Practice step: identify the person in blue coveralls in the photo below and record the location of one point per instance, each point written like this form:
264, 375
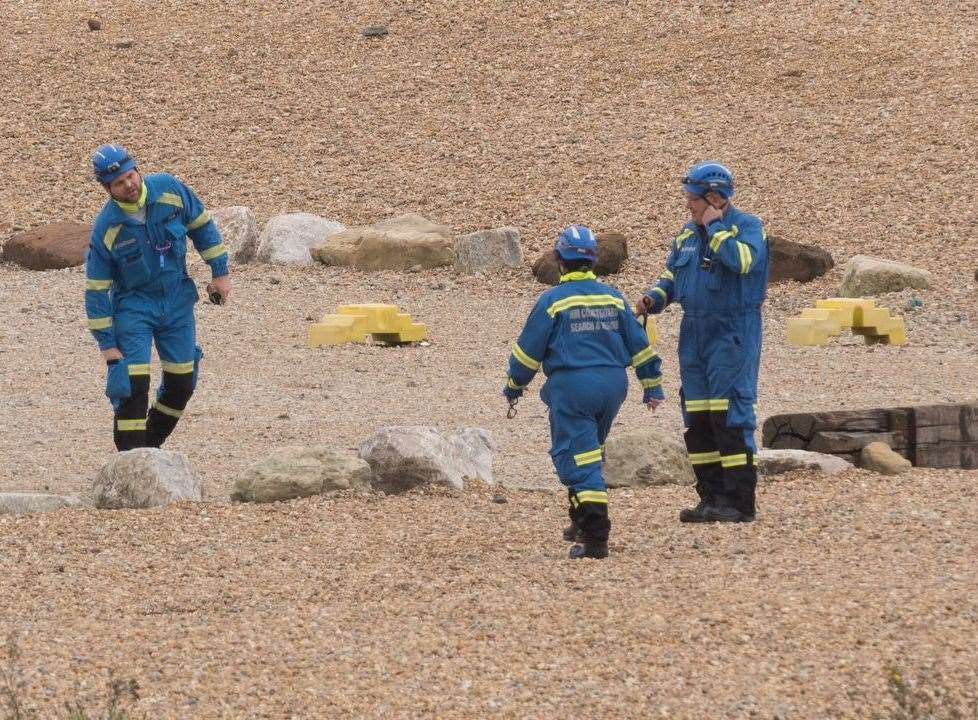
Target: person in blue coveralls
583, 334
717, 271
138, 291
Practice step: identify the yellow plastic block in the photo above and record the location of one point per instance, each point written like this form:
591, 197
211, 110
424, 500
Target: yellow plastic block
898, 332
335, 330
850, 310
808, 331
827, 316
414, 332
379, 317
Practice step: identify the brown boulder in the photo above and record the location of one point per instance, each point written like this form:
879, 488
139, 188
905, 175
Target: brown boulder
400, 243
612, 253
49, 247
793, 261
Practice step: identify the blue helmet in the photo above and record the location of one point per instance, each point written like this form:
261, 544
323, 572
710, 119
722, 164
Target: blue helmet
707, 177
111, 161
577, 242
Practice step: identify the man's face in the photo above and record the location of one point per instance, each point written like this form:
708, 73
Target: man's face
127, 186
697, 206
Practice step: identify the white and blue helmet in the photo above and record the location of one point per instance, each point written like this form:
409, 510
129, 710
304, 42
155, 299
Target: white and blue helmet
577, 242
111, 161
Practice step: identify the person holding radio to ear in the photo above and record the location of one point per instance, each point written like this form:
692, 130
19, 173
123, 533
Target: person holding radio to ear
137, 291
717, 271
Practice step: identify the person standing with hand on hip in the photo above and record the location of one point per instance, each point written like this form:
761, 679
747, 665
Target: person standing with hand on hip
583, 334
717, 270
137, 291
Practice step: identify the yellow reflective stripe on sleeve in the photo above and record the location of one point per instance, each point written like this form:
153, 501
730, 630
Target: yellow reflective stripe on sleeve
704, 458
170, 199
131, 425
178, 368
732, 461
511, 384
714, 405
642, 357
139, 369
110, 235
200, 221
592, 496
681, 237
98, 285
99, 323
663, 293
746, 258
651, 382
525, 359
718, 237
667, 275
586, 458
585, 301
166, 410
213, 252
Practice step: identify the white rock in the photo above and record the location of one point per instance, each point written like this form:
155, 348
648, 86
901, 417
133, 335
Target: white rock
145, 478
881, 458
403, 457
646, 457
776, 462
865, 275
286, 239
299, 472
16, 503
239, 231
488, 251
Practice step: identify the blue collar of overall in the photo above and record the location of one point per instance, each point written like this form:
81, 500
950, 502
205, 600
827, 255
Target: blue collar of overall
578, 275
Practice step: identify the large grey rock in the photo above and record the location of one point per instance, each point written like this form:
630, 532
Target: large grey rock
793, 261
296, 472
145, 478
776, 462
866, 275
400, 243
16, 503
403, 457
881, 458
488, 251
287, 239
49, 247
239, 230
646, 457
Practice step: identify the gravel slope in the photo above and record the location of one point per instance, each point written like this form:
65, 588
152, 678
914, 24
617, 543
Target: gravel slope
850, 125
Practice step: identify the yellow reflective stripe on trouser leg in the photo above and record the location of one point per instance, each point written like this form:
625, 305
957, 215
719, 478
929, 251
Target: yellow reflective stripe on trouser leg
183, 368
733, 461
100, 323
586, 458
139, 369
98, 285
167, 410
592, 496
651, 382
708, 405
131, 425
704, 458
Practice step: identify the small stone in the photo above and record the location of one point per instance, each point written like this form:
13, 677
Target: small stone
275, 279
414, 269
125, 44
499, 499
880, 457
94, 24
374, 31
283, 416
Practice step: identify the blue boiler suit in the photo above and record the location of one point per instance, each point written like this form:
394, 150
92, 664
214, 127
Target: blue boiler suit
719, 276
138, 290
583, 334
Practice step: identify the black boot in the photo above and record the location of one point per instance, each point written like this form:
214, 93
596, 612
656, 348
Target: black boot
572, 533
591, 520
594, 549
724, 510
695, 514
